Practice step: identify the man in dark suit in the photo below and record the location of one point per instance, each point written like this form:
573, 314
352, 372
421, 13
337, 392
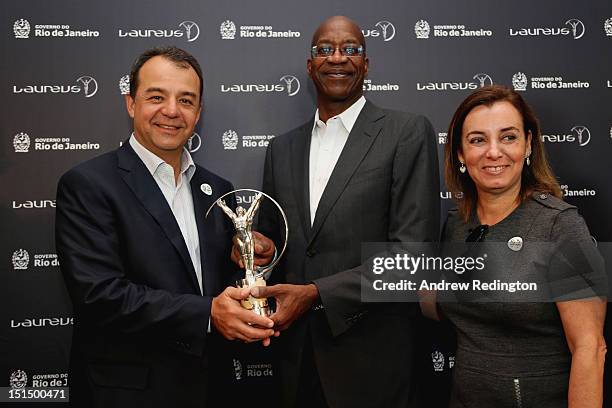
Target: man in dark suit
145, 271
355, 173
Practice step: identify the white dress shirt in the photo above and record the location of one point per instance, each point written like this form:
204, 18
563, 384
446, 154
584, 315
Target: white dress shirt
328, 140
178, 195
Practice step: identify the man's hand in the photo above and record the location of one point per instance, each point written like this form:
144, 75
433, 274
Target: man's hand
264, 250
292, 301
236, 323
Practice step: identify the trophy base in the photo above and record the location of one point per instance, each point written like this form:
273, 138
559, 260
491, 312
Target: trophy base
259, 306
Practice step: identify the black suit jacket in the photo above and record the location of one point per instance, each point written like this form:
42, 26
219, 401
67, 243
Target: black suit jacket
140, 332
384, 187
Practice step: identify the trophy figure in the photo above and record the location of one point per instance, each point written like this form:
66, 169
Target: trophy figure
243, 222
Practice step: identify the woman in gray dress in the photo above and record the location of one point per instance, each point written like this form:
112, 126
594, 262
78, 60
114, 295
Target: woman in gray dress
545, 354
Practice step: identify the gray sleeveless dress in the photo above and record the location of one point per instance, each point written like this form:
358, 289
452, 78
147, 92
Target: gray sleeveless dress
513, 354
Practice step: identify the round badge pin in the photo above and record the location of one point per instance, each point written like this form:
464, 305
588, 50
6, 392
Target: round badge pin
206, 189
515, 243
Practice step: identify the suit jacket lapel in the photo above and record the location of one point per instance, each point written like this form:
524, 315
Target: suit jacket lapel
364, 132
206, 230
300, 154
140, 181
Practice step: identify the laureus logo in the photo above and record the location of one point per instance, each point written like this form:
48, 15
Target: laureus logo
608, 27
437, 358
188, 29
87, 84
479, 80
228, 30
483, 79
237, 369
124, 85
579, 133
194, 143
573, 27
577, 28
519, 81
583, 134
384, 29
90, 85
289, 84
293, 84
31, 204
42, 322
192, 30
229, 140
388, 29
21, 28
21, 142
20, 259
421, 29
18, 379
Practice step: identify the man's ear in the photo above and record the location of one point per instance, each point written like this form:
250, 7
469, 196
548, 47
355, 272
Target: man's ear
129, 104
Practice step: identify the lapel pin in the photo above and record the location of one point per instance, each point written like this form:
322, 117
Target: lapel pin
206, 189
515, 243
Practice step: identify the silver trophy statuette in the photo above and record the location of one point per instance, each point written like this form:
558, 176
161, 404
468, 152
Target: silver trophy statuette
243, 222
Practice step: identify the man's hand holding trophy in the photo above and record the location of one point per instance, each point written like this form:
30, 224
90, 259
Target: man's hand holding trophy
257, 255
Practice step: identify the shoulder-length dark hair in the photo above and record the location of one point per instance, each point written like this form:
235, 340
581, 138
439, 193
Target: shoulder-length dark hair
536, 177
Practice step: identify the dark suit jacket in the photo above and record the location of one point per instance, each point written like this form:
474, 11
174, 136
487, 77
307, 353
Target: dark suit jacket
385, 187
140, 320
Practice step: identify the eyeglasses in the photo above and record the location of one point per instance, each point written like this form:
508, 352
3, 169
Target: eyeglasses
327, 50
478, 234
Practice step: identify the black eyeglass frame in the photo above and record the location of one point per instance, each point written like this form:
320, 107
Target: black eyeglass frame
314, 50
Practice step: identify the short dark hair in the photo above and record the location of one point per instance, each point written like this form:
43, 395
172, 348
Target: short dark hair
180, 57
536, 177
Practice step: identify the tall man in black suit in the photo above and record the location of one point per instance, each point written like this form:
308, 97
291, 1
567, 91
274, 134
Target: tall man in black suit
355, 173
145, 272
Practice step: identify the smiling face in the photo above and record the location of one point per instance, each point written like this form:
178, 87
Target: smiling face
494, 147
338, 78
166, 106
